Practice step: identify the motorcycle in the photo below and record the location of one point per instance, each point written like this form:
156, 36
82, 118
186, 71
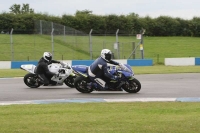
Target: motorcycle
126, 80
65, 74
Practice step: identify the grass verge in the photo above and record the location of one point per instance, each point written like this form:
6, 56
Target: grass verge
157, 69
154, 117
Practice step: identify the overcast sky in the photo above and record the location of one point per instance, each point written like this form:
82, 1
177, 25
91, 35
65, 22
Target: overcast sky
186, 9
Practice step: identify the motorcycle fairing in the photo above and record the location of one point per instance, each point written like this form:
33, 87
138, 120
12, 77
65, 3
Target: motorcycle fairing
81, 70
29, 67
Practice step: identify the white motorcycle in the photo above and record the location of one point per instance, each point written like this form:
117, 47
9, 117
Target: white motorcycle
65, 75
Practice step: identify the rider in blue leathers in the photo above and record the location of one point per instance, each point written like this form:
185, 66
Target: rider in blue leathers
99, 69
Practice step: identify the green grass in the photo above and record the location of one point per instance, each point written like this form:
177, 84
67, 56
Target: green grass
159, 48
31, 47
153, 117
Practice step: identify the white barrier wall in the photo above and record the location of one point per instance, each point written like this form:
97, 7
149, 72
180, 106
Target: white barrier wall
180, 61
5, 64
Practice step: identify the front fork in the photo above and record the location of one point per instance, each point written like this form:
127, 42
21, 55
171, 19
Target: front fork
126, 82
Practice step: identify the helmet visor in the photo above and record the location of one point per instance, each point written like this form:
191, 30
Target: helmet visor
108, 56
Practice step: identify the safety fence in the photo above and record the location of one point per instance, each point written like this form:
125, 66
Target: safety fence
65, 43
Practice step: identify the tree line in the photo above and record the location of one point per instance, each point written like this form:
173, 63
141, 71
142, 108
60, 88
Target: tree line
22, 18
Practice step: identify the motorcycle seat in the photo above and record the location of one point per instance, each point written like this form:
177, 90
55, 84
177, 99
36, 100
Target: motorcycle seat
85, 70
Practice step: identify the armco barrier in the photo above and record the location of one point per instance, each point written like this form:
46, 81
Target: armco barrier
137, 62
82, 62
197, 61
17, 64
190, 61
5, 64
140, 62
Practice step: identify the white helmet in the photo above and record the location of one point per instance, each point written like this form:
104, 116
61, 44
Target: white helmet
106, 54
47, 56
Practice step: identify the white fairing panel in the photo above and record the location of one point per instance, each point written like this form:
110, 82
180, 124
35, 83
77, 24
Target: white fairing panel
54, 68
29, 67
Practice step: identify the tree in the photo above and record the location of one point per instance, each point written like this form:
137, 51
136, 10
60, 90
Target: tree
83, 12
17, 9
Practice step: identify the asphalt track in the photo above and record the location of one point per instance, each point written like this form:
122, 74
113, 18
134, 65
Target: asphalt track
154, 86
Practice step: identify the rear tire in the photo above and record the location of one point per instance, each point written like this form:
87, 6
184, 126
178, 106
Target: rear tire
134, 86
81, 85
31, 80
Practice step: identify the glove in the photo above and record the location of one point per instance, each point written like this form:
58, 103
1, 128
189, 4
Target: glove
68, 66
62, 63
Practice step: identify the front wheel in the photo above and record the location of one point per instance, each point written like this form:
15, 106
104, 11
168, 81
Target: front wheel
69, 81
133, 86
31, 80
81, 85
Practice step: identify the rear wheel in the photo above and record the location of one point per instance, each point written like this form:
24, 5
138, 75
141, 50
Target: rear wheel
31, 80
133, 86
69, 81
81, 85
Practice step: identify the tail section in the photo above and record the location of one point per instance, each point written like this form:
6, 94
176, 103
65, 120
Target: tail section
29, 67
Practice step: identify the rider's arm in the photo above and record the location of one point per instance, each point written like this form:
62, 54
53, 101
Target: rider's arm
116, 63
55, 61
106, 73
113, 62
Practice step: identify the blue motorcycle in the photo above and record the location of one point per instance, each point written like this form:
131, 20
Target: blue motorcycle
126, 80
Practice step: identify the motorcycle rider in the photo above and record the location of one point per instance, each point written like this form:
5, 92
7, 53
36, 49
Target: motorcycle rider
99, 68
42, 68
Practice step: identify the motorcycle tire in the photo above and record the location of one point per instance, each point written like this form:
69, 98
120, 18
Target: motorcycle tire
30, 80
69, 81
133, 87
80, 84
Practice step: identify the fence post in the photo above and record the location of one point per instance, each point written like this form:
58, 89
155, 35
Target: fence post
117, 35
64, 35
134, 51
52, 42
117, 42
133, 47
41, 27
90, 44
142, 43
11, 44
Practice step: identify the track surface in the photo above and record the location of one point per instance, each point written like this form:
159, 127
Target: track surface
153, 86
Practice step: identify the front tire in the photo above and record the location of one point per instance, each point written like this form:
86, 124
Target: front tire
81, 85
31, 80
133, 86
69, 81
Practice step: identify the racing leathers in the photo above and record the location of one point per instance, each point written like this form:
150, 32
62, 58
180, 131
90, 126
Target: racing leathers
98, 70
43, 71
